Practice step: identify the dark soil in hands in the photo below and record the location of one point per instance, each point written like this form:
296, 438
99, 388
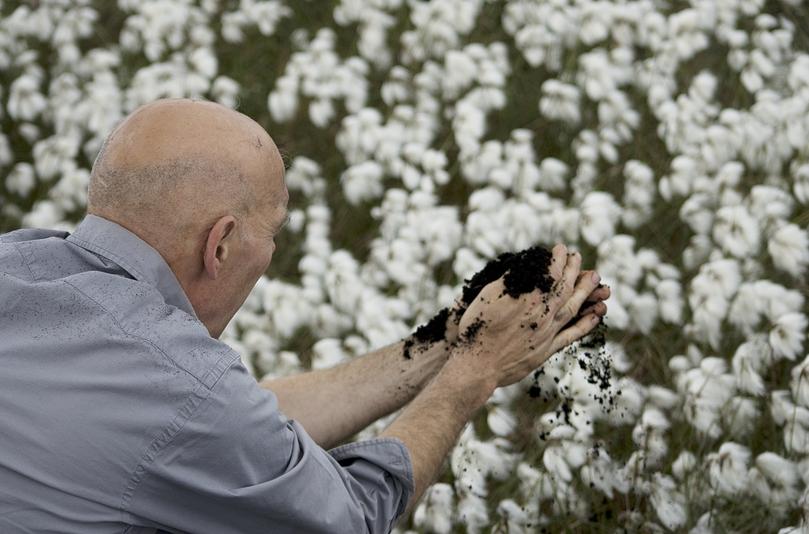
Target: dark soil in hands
524, 272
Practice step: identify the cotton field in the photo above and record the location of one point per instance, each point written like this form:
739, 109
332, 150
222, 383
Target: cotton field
668, 141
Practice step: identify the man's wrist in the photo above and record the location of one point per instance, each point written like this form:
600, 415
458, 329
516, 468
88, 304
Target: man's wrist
466, 383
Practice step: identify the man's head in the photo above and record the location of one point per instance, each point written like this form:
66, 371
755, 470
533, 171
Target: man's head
203, 185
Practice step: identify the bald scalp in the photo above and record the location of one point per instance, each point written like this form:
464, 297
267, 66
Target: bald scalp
173, 166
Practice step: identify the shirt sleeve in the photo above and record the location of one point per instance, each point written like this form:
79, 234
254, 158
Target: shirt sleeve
237, 464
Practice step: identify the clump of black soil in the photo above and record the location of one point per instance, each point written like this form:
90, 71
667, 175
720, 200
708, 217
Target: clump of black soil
433, 331
524, 272
592, 358
471, 332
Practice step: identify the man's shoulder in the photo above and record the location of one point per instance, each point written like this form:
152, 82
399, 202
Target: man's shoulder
30, 234
140, 311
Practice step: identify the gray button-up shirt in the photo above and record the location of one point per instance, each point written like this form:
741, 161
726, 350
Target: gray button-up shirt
120, 413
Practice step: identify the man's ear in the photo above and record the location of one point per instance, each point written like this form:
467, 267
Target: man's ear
218, 246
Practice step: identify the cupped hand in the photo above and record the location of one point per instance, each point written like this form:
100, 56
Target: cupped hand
514, 336
592, 304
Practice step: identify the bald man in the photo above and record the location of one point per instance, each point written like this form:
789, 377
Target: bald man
121, 410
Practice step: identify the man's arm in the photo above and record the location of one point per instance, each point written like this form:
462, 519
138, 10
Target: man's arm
502, 353
334, 404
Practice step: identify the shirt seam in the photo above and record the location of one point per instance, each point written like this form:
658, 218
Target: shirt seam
179, 421
147, 340
94, 247
147, 456
25, 261
407, 464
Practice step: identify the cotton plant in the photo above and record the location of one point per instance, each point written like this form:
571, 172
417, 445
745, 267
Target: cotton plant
667, 144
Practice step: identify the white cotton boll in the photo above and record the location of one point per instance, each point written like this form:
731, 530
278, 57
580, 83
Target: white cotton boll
554, 461
789, 249
685, 463
670, 300
787, 335
706, 389
710, 290
204, 61
639, 191
800, 184
698, 213
779, 471
662, 397
470, 477
621, 361
727, 468
331, 322
501, 421
736, 231
769, 203
746, 308
781, 406
467, 262
21, 179
652, 443
515, 516
599, 472
321, 111
553, 174
486, 199
473, 512
282, 105
739, 416
800, 382
297, 219
599, 214
6, 156
362, 182
796, 431
435, 511
653, 418
697, 252
494, 457
225, 90
25, 102
779, 300
643, 310
44, 214
746, 365
669, 504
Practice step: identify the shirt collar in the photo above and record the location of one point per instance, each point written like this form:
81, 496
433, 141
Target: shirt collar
136, 256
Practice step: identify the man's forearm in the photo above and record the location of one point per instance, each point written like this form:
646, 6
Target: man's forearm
429, 426
334, 404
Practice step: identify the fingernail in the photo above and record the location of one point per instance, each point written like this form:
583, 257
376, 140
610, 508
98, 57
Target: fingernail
596, 278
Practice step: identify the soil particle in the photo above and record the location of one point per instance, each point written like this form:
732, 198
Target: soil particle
471, 331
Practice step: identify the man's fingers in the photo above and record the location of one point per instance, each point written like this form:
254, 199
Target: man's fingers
602, 292
580, 328
569, 275
586, 285
599, 308
558, 261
